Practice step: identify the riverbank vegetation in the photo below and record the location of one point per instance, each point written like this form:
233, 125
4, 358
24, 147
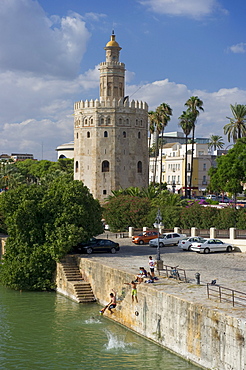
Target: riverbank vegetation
45, 216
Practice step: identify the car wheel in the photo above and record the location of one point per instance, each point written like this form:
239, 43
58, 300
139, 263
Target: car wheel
89, 250
141, 242
189, 248
161, 244
206, 250
113, 250
229, 249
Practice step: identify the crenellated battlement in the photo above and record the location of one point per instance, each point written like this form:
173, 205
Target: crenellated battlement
114, 63
133, 104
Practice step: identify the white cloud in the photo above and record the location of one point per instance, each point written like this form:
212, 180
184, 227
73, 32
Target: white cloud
187, 8
238, 48
216, 104
32, 42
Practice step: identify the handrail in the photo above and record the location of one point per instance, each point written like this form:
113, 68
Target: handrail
169, 271
226, 295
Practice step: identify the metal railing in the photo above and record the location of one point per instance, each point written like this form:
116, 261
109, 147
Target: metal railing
174, 272
205, 233
222, 233
240, 234
226, 295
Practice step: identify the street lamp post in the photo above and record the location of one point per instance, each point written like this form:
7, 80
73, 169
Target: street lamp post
158, 224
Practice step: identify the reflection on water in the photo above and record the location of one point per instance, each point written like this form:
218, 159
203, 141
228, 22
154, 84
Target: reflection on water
48, 331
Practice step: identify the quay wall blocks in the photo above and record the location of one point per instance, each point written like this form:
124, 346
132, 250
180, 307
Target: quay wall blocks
204, 336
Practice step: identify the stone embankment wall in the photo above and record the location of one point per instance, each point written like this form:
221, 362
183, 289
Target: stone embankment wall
205, 336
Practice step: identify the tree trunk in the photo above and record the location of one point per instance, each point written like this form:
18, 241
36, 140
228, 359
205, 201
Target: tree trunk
186, 141
162, 134
192, 156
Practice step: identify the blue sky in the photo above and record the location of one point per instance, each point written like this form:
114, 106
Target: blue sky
50, 51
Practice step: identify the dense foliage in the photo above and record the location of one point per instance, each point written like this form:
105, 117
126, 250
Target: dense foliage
44, 221
230, 174
123, 211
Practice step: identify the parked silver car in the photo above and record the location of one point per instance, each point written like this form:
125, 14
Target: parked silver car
167, 239
211, 245
186, 243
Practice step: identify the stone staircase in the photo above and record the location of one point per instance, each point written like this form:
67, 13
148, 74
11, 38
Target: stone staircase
82, 289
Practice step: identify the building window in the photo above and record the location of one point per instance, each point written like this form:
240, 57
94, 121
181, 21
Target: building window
168, 179
76, 166
124, 134
105, 166
139, 135
91, 121
141, 123
120, 121
86, 121
102, 121
204, 180
88, 134
204, 166
105, 134
104, 192
188, 167
127, 121
140, 167
108, 121
77, 135
136, 122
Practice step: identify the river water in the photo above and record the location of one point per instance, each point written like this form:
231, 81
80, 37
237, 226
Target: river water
48, 331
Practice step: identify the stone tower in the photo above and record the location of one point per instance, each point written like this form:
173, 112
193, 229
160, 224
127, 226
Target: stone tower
111, 134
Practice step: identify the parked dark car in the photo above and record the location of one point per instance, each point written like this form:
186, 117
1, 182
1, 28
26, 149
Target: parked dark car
95, 245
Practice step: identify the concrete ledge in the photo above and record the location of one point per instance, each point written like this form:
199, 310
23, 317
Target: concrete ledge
208, 337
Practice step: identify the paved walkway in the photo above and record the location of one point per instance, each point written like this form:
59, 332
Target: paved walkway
228, 269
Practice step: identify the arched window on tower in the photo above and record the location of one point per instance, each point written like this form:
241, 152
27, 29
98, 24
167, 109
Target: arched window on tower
102, 121
105, 134
86, 121
105, 166
76, 166
91, 121
120, 121
88, 134
140, 167
139, 135
124, 134
108, 121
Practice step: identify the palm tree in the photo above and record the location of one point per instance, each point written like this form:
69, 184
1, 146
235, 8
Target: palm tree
216, 142
195, 105
163, 115
186, 123
237, 126
151, 116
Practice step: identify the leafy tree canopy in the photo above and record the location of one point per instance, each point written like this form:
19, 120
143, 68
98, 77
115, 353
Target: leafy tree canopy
44, 222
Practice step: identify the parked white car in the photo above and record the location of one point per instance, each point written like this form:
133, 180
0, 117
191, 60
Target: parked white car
186, 243
167, 239
211, 245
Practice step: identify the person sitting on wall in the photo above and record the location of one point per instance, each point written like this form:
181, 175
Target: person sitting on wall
142, 274
111, 304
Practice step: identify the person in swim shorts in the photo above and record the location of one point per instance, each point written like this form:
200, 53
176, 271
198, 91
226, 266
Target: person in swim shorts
134, 290
111, 304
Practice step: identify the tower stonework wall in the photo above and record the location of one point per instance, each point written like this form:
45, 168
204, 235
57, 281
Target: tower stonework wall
111, 135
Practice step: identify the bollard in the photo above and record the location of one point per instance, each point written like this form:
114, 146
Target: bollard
197, 276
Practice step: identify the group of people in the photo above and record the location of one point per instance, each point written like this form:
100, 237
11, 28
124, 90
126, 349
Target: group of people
143, 275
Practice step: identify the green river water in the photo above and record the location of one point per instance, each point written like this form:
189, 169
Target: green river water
48, 331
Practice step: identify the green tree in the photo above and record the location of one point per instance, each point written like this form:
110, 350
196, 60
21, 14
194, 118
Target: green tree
186, 123
216, 142
163, 116
230, 174
126, 210
236, 128
44, 222
195, 105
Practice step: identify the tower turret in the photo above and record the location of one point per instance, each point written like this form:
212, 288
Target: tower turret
112, 72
